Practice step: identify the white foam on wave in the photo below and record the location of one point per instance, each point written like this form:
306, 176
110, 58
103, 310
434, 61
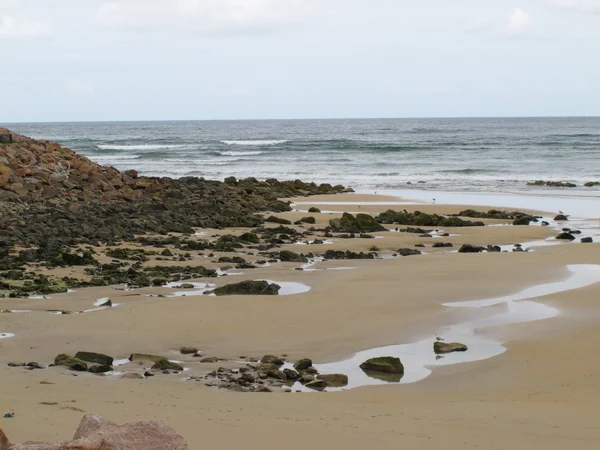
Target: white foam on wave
240, 153
141, 146
256, 142
418, 357
102, 158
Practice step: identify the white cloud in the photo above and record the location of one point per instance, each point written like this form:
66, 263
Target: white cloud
518, 23
13, 28
585, 6
206, 16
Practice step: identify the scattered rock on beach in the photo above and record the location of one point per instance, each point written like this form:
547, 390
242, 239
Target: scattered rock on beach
70, 362
145, 357
361, 223
188, 350
442, 245
587, 240
314, 210
210, 360
561, 218
303, 364
317, 385
386, 364
98, 358
408, 252
566, 236
468, 248
165, 364
271, 359
100, 369
249, 287
448, 347
334, 380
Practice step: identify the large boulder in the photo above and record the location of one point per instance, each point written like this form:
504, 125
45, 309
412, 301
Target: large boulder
247, 288
448, 347
72, 363
96, 433
386, 364
98, 358
561, 218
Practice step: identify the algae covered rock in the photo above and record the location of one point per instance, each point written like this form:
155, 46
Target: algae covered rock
270, 359
145, 357
103, 368
72, 363
165, 364
408, 252
362, 223
314, 210
288, 256
303, 364
468, 248
448, 347
386, 364
334, 379
249, 287
317, 385
566, 236
98, 358
188, 350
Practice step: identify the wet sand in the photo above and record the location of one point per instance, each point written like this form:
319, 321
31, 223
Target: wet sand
540, 393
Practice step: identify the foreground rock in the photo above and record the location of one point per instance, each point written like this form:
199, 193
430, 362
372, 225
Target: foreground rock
247, 288
441, 348
387, 364
96, 433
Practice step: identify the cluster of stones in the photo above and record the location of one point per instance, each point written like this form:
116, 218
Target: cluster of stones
561, 184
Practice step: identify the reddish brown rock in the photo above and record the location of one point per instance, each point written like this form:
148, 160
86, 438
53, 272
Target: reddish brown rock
96, 433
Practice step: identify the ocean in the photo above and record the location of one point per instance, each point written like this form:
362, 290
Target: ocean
481, 155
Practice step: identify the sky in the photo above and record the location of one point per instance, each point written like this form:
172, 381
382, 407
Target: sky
92, 60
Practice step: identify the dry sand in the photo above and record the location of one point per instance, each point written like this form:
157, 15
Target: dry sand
540, 394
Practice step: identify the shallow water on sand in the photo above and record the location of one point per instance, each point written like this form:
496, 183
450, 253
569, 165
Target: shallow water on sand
418, 357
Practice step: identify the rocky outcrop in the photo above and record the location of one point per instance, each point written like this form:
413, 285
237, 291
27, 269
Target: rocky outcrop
51, 187
72, 363
96, 433
448, 347
387, 364
271, 359
247, 288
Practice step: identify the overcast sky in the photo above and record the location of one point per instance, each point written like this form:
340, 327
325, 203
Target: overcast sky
66, 60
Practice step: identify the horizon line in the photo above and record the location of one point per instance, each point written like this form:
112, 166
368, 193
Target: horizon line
297, 119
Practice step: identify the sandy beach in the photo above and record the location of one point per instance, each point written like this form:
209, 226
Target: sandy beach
539, 393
